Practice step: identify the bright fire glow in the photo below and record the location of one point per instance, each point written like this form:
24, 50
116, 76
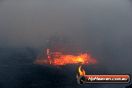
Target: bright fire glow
57, 58
71, 59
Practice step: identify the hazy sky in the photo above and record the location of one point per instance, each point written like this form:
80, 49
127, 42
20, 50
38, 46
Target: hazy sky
102, 26
30, 22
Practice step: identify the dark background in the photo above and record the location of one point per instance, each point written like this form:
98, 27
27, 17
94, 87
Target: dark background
101, 27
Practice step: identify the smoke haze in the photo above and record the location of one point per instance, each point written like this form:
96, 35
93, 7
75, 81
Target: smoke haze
102, 27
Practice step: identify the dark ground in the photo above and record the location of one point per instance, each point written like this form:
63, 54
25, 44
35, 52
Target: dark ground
18, 71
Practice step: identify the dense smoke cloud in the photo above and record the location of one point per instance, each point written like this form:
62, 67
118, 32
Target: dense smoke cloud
102, 27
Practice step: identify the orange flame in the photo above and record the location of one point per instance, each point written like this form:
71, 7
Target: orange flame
71, 59
81, 71
57, 58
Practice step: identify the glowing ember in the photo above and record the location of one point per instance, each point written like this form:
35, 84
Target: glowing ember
57, 58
